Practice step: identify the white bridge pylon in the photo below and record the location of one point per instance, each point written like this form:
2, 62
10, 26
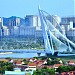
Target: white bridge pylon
51, 41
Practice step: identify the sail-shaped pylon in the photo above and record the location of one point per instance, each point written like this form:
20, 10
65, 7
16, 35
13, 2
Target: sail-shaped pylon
45, 34
50, 38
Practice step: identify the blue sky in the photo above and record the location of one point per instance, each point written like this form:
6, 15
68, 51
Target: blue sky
21, 8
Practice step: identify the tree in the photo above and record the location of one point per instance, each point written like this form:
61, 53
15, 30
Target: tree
44, 71
52, 62
61, 69
5, 66
49, 62
10, 67
37, 72
2, 70
51, 71
25, 61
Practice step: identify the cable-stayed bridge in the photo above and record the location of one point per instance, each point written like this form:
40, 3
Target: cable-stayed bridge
53, 42
57, 39
25, 51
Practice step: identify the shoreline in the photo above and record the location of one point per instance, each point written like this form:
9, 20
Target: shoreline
6, 53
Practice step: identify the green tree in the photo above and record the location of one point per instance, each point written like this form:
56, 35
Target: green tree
5, 66
61, 69
44, 71
37, 72
49, 62
51, 71
25, 61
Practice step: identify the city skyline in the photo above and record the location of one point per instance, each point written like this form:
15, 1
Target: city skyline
30, 7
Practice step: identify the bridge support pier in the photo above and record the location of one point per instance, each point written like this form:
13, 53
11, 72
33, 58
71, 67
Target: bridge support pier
38, 54
48, 54
55, 53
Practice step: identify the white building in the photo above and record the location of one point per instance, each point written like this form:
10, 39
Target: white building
30, 31
18, 21
16, 30
71, 34
39, 33
54, 19
0, 26
23, 31
57, 20
32, 20
1, 21
69, 25
39, 22
5, 31
27, 31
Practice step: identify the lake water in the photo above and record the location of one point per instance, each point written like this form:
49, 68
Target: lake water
20, 55
26, 55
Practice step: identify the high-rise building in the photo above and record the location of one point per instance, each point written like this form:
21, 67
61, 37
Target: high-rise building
69, 25
32, 20
54, 19
5, 21
17, 21
67, 20
1, 21
14, 21
5, 31
1, 24
14, 26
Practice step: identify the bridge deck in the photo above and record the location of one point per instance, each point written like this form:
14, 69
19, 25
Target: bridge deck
26, 51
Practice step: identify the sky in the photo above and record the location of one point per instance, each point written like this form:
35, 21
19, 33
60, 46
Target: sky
21, 8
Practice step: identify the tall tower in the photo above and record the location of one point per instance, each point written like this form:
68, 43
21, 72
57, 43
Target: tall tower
74, 7
1, 21
31, 20
1, 26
